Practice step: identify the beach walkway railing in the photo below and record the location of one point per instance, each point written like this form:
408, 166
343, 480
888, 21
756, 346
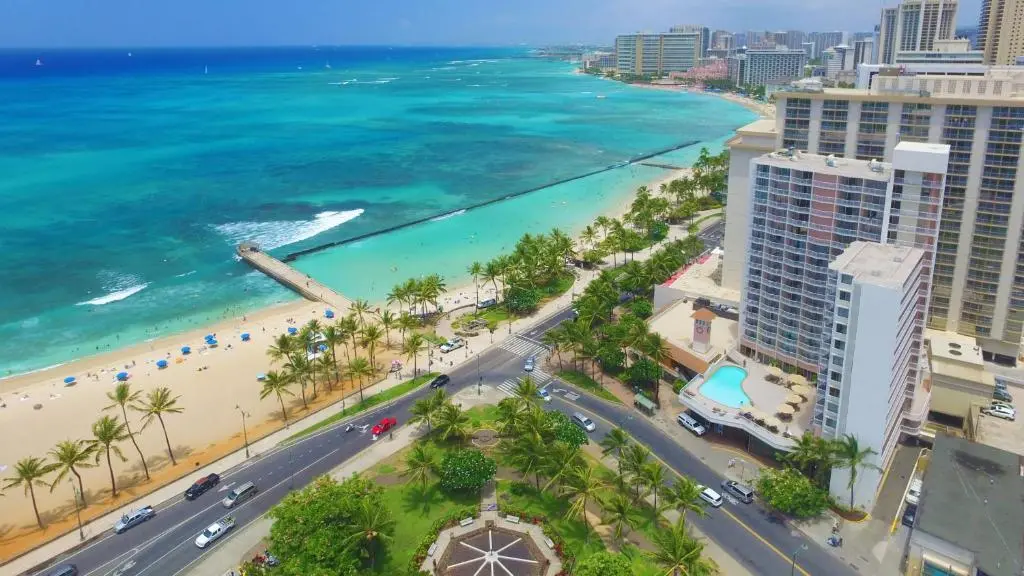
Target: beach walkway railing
292, 278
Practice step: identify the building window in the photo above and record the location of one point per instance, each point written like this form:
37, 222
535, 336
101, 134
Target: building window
841, 328
844, 296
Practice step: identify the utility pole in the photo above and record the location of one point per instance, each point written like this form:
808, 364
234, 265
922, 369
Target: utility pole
792, 567
245, 433
479, 377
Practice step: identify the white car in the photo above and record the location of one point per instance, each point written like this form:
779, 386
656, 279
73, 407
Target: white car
711, 497
914, 493
1000, 412
215, 531
453, 344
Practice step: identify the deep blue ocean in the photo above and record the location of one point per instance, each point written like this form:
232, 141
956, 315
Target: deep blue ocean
128, 176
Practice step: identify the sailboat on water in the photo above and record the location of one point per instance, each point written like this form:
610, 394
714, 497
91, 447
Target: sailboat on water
39, 62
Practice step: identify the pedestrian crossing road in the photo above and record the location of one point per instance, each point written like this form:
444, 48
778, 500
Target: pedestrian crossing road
523, 347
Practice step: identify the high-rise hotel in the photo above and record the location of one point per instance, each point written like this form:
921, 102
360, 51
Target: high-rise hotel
977, 284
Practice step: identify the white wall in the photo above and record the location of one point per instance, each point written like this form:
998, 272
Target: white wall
737, 217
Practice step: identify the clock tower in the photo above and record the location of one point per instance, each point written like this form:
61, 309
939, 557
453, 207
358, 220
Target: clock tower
702, 330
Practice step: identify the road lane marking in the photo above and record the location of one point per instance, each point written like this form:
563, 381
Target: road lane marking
258, 496
729, 514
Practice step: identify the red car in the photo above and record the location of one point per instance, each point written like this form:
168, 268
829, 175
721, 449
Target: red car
384, 425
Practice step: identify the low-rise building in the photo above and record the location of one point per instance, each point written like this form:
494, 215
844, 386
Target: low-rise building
970, 515
957, 375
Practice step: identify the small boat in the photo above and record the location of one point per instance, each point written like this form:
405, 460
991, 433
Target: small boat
328, 65
206, 69
129, 54
39, 62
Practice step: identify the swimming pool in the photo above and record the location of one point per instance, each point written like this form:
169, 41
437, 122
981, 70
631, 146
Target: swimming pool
725, 386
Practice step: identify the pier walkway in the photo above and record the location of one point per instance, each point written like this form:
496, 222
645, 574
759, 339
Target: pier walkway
292, 278
662, 166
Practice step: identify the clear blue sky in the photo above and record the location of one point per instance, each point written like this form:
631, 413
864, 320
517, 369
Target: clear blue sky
85, 23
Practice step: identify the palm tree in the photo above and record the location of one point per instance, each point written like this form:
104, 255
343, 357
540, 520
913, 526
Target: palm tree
388, 321
29, 473
332, 337
406, 323
556, 341
159, 402
327, 367
620, 514
582, 486
359, 368
279, 385
528, 454
107, 432
414, 344
476, 270
398, 295
349, 327
420, 464
283, 348
615, 441
370, 530
634, 458
679, 552
510, 416
491, 273
122, 396
452, 422
296, 370
527, 390
371, 335
423, 410
684, 496
653, 475
69, 456
814, 457
851, 455
360, 308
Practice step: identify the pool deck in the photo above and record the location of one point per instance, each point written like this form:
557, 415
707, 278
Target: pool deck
766, 397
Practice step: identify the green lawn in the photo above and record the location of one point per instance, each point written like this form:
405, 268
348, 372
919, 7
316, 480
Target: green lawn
589, 384
415, 509
482, 416
369, 402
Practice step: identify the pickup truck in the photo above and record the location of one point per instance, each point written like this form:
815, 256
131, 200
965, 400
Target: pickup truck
215, 531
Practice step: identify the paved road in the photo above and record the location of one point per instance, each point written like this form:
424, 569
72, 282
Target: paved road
713, 235
164, 545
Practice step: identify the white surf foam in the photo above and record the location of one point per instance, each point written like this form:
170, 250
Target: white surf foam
447, 216
275, 234
184, 274
114, 296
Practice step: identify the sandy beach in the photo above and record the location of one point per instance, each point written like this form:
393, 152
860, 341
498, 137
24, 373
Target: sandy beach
39, 410
764, 109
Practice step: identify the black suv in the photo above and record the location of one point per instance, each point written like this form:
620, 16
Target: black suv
202, 485
440, 381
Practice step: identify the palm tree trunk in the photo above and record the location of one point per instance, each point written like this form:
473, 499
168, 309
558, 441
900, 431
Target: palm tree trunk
167, 440
360, 389
81, 488
35, 507
312, 378
145, 467
110, 466
302, 387
284, 413
477, 286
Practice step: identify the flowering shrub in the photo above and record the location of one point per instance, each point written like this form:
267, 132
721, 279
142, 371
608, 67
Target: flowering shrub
466, 470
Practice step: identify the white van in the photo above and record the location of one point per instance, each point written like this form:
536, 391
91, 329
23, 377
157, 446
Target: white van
239, 495
688, 422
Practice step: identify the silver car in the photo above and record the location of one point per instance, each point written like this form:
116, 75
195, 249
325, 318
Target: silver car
134, 518
531, 362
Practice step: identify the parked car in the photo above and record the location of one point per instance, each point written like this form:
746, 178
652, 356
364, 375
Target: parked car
531, 362
1006, 405
1002, 395
453, 344
691, 424
742, 492
200, 486
909, 515
215, 531
440, 381
914, 492
1000, 412
710, 496
134, 518
487, 303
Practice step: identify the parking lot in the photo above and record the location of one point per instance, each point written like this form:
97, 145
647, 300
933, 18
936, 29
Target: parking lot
1002, 434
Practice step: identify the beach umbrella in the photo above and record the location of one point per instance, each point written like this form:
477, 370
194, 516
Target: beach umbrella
773, 422
161, 364
805, 391
261, 377
322, 347
245, 336
186, 349
122, 376
785, 411
774, 373
794, 399
211, 343
328, 313
209, 336
69, 380
293, 330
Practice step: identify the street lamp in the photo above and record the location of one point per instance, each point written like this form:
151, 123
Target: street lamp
245, 433
78, 509
792, 568
479, 377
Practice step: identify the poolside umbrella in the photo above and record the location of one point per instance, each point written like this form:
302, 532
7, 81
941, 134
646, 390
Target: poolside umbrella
773, 422
328, 313
794, 399
805, 391
122, 376
293, 330
69, 380
785, 411
757, 415
186, 349
161, 364
774, 373
245, 336
796, 380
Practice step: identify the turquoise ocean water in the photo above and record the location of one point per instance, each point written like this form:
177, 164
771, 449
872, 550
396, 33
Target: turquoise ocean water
126, 178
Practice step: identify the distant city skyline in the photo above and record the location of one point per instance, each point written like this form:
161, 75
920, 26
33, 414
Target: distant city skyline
123, 23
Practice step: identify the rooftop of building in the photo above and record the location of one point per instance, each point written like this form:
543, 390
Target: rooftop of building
697, 280
878, 264
848, 167
953, 355
998, 83
973, 497
675, 324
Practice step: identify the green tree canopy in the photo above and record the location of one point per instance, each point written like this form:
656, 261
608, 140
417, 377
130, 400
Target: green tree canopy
466, 470
311, 526
792, 493
565, 430
604, 564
